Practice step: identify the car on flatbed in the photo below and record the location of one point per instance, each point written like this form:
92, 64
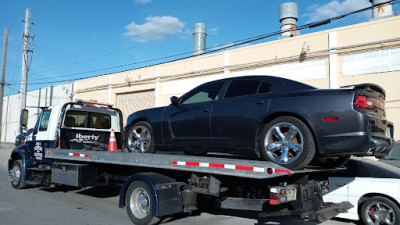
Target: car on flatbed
280, 120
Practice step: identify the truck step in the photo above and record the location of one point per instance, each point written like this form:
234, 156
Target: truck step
41, 168
33, 183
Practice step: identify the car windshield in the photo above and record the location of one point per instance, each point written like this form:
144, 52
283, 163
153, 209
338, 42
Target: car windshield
394, 154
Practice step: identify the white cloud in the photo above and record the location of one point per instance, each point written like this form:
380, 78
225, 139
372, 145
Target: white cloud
155, 28
142, 1
335, 8
213, 31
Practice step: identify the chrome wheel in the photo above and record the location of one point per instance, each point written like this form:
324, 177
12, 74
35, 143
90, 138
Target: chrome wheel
139, 139
380, 213
15, 175
283, 143
140, 203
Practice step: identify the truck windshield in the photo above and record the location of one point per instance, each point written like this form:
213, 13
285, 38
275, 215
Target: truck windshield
44, 121
87, 119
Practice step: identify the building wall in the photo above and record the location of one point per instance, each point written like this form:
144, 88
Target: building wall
366, 52
35, 99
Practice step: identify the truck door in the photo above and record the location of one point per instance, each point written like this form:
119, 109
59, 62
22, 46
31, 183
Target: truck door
42, 137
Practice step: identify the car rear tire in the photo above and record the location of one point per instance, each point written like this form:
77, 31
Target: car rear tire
16, 175
139, 138
287, 141
380, 210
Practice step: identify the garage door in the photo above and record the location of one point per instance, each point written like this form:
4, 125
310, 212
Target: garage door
135, 101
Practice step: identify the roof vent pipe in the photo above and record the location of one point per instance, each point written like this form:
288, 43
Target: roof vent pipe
382, 11
199, 38
288, 17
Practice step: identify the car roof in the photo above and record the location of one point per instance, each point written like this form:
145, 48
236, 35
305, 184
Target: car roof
282, 84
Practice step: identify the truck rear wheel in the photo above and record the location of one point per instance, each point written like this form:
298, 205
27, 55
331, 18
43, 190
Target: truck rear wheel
16, 174
140, 204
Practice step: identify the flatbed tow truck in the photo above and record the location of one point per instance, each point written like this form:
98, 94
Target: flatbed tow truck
69, 146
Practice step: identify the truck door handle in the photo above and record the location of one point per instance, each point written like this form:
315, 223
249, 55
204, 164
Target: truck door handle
339, 184
205, 110
259, 103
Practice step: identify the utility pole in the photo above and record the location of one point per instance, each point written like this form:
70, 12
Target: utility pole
25, 64
3, 76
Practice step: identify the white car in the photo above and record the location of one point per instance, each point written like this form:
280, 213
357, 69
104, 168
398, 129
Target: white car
372, 187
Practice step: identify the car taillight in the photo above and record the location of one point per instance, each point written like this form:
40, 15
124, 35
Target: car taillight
365, 102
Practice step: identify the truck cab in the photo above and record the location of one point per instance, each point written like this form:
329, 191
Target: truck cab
77, 125
73, 125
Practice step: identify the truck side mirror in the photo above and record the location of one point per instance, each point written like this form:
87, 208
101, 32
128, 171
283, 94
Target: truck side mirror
23, 120
24, 117
174, 100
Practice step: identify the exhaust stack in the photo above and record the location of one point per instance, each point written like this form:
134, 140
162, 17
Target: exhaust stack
382, 11
288, 16
199, 38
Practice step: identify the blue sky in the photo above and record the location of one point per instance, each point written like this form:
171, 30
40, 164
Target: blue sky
81, 38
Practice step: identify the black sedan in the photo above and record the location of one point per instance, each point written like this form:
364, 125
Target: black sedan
281, 120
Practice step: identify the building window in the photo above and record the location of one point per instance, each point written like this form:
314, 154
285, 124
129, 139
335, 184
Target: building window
380, 61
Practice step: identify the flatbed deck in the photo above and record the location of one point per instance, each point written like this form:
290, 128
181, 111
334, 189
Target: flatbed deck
202, 164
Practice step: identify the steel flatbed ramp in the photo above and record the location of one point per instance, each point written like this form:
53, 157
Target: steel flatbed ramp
210, 165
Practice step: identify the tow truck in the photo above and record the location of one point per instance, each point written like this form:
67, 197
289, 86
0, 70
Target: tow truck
70, 145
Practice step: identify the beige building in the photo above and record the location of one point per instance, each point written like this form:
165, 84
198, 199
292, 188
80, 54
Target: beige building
363, 53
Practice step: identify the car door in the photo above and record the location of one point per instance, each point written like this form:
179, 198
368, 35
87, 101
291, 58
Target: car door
236, 118
188, 122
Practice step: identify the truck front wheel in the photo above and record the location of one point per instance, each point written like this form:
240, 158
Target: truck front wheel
16, 174
140, 203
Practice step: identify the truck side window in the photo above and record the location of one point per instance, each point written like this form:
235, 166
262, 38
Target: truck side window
44, 121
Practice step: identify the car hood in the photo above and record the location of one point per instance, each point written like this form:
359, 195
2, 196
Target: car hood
392, 162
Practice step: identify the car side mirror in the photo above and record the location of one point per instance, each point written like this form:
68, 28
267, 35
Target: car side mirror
174, 100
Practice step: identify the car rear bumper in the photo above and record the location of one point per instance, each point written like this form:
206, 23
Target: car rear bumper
376, 140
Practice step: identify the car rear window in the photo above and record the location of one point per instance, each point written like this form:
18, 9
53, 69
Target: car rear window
84, 119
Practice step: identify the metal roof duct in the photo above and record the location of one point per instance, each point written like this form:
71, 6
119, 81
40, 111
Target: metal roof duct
199, 38
382, 11
288, 17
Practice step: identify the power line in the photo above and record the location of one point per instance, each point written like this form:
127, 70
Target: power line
218, 47
135, 46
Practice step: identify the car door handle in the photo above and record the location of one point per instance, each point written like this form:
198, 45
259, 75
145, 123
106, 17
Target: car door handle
339, 184
259, 103
205, 110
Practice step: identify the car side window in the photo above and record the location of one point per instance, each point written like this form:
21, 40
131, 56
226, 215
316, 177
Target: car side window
265, 87
204, 93
242, 88
44, 122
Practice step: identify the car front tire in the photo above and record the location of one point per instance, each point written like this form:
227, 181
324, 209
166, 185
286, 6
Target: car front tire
139, 138
287, 141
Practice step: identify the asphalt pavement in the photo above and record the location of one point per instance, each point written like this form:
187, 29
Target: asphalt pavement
99, 206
